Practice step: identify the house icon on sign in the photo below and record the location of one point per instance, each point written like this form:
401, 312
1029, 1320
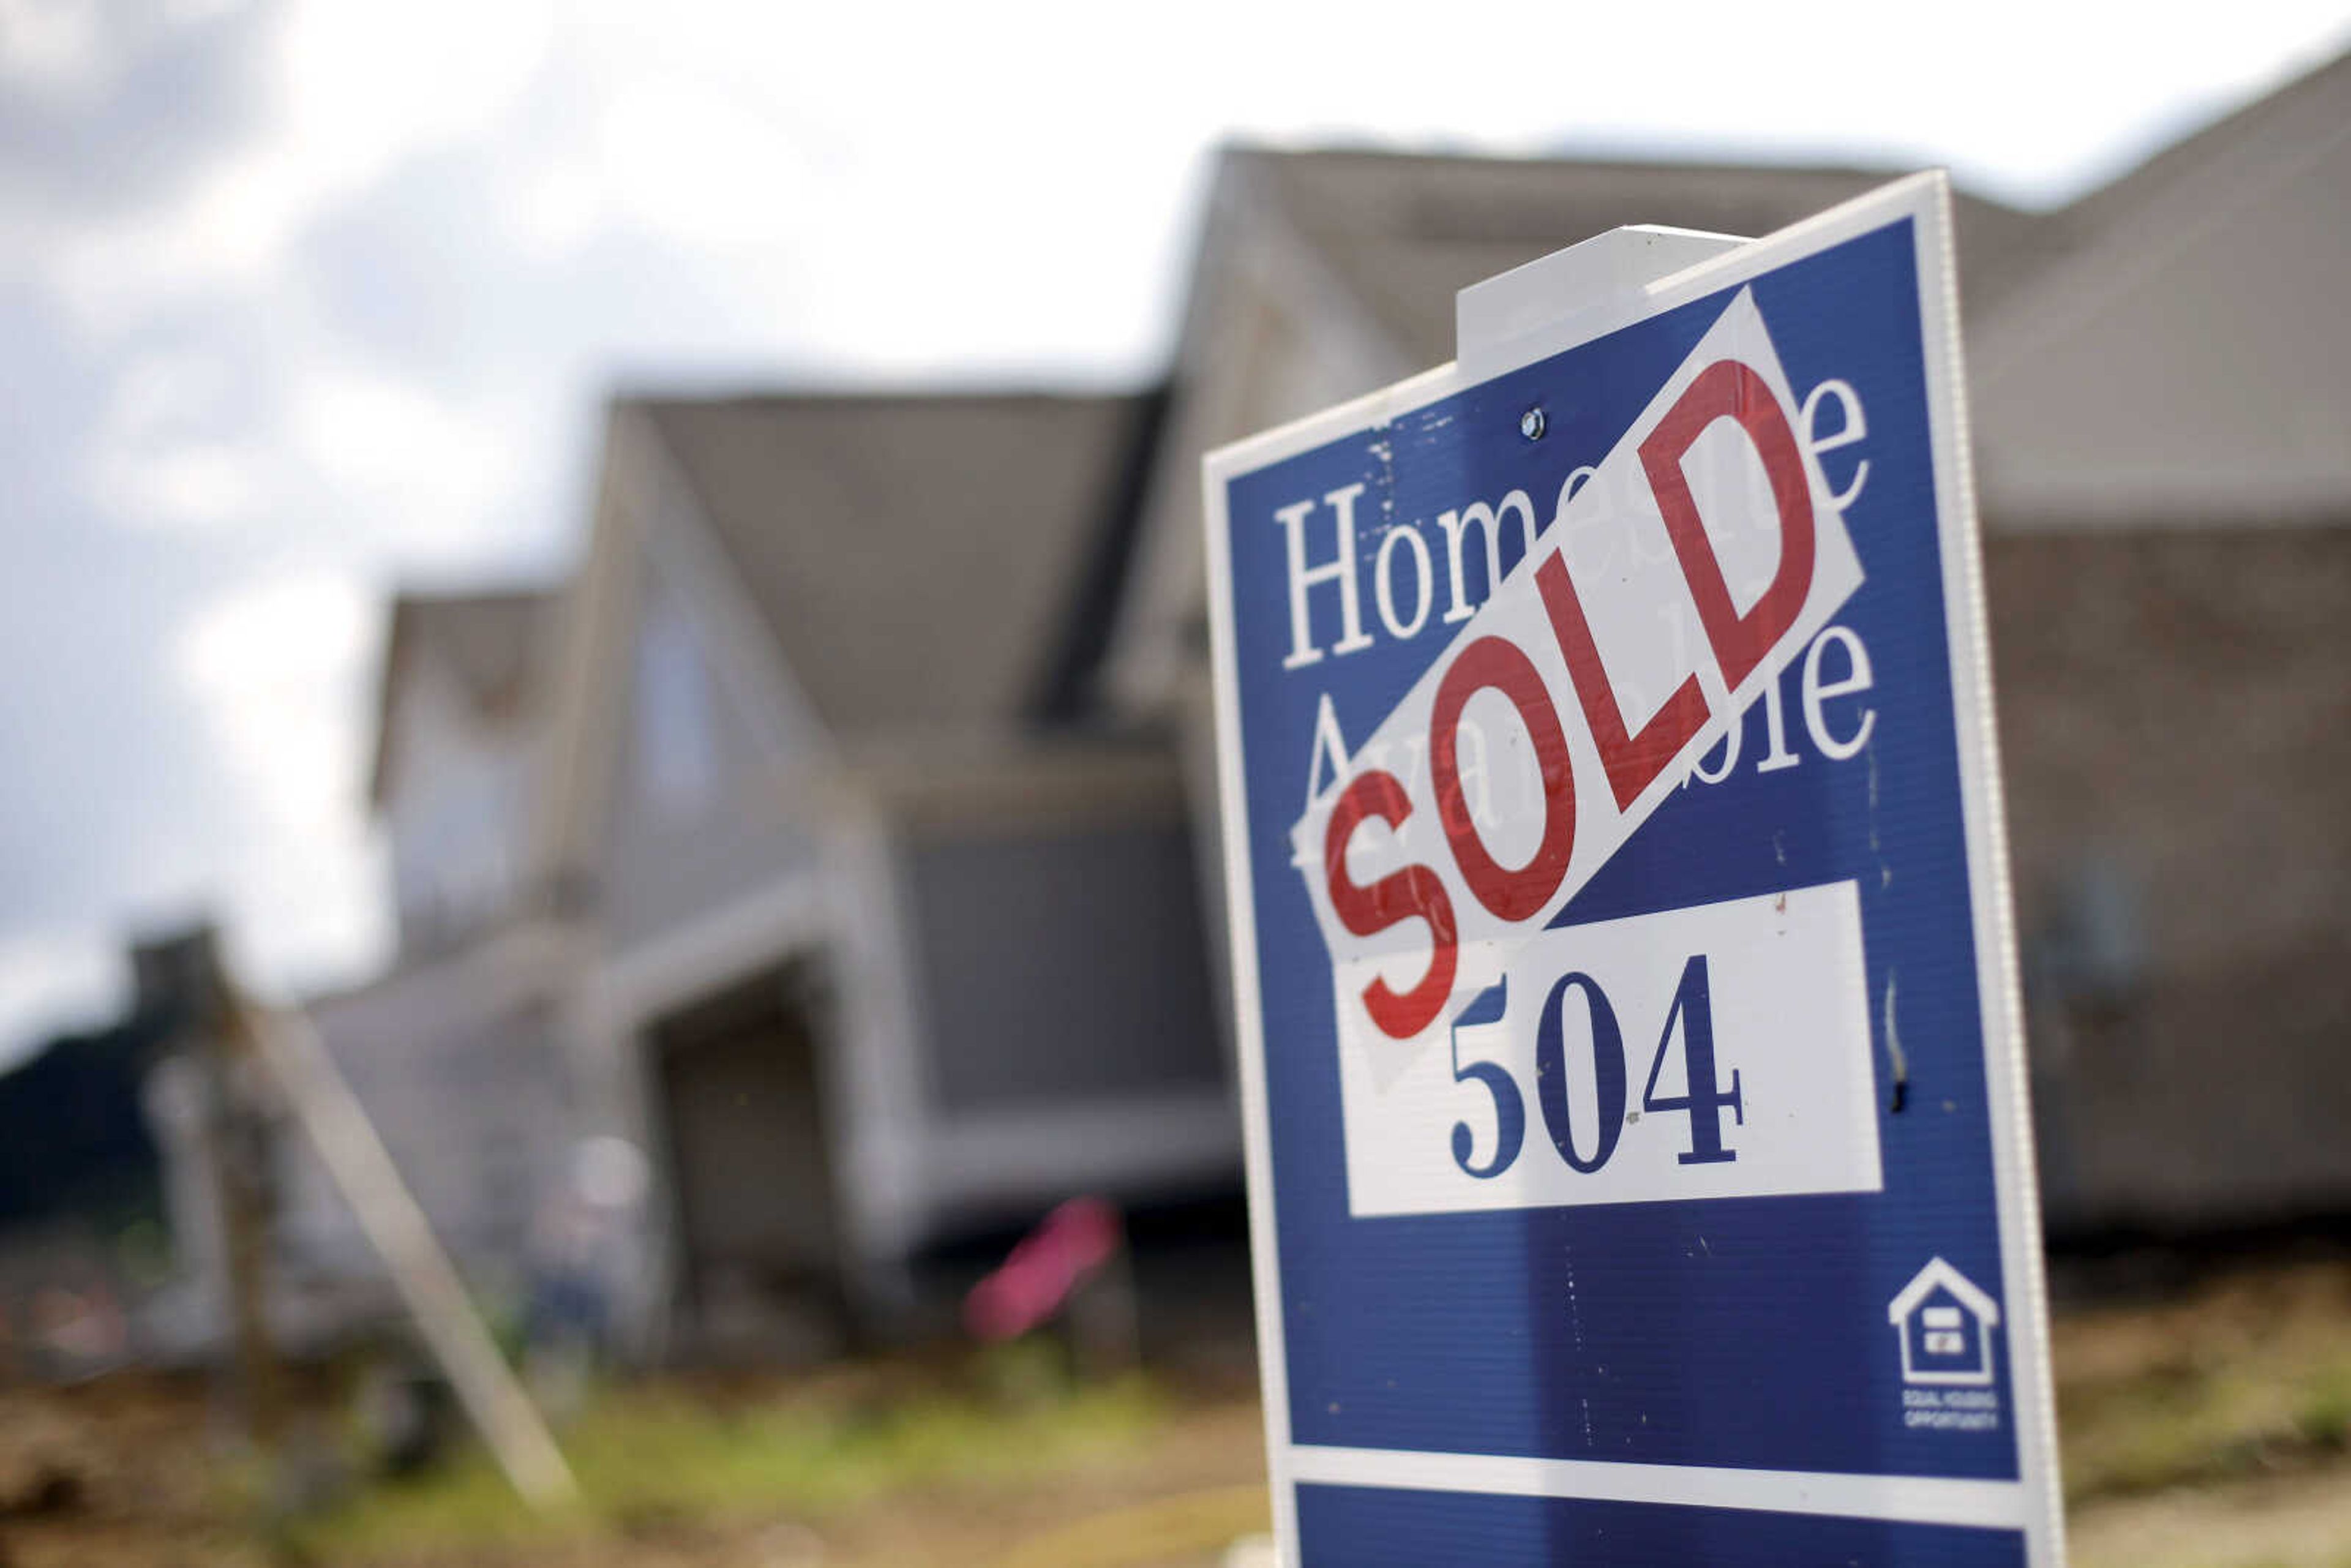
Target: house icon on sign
1944, 1324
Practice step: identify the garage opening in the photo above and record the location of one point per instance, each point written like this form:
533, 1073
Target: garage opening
757, 1224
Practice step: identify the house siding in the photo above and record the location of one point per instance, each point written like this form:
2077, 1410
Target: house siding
690, 835
1062, 966
461, 1071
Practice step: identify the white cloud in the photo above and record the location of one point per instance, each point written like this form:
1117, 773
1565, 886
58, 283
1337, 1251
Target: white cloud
49, 45
425, 472
556, 207
2030, 94
159, 393
202, 484
830, 129
281, 672
278, 668
704, 165
418, 473
366, 85
157, 457
53, 982
357, 89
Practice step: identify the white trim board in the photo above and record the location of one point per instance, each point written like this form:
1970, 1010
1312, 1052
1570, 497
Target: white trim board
1916, 1500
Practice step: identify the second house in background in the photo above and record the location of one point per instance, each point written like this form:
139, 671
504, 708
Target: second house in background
879, 938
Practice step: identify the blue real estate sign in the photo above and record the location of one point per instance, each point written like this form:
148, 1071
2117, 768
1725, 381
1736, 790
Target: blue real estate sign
1639, 1161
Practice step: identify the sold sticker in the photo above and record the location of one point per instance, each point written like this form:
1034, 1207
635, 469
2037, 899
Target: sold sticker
1678, 578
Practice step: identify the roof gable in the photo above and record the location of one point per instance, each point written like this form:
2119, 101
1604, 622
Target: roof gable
489, 646
1408, 232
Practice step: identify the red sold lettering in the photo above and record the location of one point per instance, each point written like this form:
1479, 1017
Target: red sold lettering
1491, 662
1729, 390
1631, 760
1414, 892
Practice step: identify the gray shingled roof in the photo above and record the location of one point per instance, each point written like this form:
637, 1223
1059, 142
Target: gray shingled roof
917, 558
1407, 231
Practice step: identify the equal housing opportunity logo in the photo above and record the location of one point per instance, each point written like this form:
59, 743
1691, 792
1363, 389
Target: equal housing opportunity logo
1945, 1325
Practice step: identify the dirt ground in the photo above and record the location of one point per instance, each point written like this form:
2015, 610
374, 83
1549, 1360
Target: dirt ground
2208, 1430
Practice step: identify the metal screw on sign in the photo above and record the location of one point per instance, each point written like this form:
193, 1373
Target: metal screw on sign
1531, 424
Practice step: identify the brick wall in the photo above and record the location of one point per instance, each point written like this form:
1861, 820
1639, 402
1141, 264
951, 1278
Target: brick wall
2175, 713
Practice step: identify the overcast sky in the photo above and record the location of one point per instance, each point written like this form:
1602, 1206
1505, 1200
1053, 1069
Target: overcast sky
303, 300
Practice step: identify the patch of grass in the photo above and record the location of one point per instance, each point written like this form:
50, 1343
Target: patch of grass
658, 1459
2242, 1380
2208, 1426
2322, 1419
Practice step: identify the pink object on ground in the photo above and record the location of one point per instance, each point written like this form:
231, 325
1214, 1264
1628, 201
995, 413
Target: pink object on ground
1047, 1266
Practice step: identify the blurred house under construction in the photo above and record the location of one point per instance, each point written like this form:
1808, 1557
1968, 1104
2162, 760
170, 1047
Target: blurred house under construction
879, 940
843, 836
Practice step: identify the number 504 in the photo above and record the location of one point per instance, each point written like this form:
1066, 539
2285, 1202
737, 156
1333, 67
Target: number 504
1690, 1020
